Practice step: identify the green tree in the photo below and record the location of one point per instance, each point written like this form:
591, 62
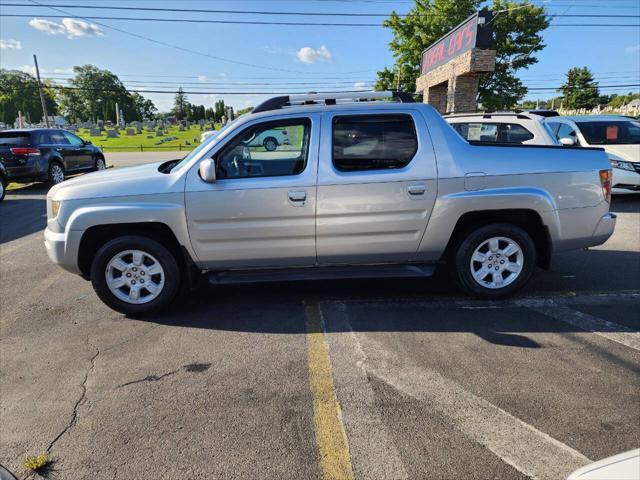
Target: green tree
517, 26
242, 111
580, 90
180, 104
144, 106
94, 94
220, 110
19, 92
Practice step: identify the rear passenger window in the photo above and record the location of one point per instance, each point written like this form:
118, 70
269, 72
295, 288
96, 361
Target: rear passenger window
57, 138
373, 142
493, 132
514, 133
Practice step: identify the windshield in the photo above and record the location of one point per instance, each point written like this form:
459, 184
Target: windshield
207, 143
614, 132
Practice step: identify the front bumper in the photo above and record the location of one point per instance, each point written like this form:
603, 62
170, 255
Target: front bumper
62, 248
625, 181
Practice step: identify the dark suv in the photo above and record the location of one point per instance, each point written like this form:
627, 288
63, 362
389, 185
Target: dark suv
46, 154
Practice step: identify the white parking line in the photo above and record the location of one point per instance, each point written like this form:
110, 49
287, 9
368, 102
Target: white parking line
373, 453
610, 330
527, 449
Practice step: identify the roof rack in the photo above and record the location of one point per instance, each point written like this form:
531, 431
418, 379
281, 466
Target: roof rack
276, 103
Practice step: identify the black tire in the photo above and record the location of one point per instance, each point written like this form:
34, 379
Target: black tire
168, 262
3, 187
270, 144
99, 158
53, 177
466, 248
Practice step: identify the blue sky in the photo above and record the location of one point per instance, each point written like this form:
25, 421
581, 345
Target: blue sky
311, 57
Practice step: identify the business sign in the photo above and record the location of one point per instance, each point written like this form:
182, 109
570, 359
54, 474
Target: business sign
474, 32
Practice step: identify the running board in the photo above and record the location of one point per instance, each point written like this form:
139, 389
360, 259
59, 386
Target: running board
320, 273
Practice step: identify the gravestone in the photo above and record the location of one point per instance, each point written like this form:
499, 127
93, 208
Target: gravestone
95, 132
130, 132
181, 128
159, 133
187, 142
139, 130
112, 134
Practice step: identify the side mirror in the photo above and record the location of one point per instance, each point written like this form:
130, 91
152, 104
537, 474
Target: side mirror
568, 142
87, 142
207, 170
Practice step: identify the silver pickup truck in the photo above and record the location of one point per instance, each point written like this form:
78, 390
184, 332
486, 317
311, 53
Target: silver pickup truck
378, 188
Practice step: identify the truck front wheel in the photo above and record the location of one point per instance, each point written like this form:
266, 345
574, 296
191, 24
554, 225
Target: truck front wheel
495, 261
135, 275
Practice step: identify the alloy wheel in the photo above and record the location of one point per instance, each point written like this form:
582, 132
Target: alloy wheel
497, 262
135, 276
57, 174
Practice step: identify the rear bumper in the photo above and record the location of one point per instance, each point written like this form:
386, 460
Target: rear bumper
62, 248
32, 170
605, 228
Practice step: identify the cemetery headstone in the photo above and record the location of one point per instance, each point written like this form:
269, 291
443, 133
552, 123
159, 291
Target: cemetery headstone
112, 134
130, 132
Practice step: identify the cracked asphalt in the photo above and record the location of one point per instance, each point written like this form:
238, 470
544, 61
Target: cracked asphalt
230, 382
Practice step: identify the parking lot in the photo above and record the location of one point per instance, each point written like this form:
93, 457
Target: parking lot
388, 379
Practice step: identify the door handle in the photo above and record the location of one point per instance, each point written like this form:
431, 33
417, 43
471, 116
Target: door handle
416, 189
299, 197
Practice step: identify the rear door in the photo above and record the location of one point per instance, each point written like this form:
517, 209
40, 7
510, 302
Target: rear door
260, 212
376, 186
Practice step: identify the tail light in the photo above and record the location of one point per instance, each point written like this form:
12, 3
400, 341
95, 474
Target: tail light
25, 151
605, 183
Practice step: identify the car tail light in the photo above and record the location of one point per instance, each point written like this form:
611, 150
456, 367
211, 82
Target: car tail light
25, 151
605, 182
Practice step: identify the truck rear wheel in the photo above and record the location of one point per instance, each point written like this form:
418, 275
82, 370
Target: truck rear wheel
135, 275
495, 261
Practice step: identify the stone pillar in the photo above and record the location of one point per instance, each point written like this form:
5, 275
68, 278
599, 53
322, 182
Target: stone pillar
462, 93
436, 95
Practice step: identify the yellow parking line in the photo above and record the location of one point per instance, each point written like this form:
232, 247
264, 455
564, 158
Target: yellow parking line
335, 460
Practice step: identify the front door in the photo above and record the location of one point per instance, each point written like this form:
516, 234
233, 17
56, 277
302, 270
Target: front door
260, 212
377, 185
82, 152
70, 155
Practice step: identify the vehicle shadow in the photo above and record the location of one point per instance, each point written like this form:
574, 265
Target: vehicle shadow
399, 305
23, 212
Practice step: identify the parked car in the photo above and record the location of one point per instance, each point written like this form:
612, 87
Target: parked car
3, 181
618, 135
47, 155
502, 127
372, 189
270, 139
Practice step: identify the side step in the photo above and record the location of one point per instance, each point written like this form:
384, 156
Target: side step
320, 273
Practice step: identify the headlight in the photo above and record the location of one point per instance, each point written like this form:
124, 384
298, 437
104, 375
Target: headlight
622, 165
55, 208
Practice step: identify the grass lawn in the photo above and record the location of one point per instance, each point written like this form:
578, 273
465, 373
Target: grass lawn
126, 143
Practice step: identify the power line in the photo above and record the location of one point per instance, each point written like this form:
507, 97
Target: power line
146, 82
265, 22
177, 47
287, 13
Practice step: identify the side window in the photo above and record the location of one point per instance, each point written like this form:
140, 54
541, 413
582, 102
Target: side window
478, 132
41, 138
57, 138
514, 133
373, 142
565, 131
73, 140
553, 126
266, 150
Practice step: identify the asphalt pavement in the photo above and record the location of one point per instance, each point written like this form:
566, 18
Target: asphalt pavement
374, 379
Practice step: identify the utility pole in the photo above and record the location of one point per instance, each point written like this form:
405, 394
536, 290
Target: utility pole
44, 105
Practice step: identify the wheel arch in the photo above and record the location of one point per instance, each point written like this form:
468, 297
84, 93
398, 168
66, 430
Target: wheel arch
527, 219
98, 235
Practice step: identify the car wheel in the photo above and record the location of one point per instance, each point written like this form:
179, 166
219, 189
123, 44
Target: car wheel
495, 261
100, 164
270, 144
56, 173
3, 187
135, 275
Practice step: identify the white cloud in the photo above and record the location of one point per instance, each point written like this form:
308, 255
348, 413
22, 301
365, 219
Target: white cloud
70, 27
32, 70
78, 28
47, 26
633, 49
202, 78
10, 44
362, 86
311, 55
